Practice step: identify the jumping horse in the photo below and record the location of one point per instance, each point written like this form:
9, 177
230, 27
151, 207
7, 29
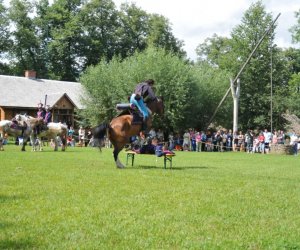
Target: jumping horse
52, 131
15, 129
122, 128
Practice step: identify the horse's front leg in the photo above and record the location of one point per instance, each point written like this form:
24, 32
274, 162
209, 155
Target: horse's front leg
24, 144
55, 143
63, 143
1, 144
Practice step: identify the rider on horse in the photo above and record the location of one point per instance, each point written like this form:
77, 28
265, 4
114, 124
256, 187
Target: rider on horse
143, 93
48, 115
40, 114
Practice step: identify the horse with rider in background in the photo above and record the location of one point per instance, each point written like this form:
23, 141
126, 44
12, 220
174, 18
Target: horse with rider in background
22, 129
52, 130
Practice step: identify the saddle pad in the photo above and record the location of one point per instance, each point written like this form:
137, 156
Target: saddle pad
137, 118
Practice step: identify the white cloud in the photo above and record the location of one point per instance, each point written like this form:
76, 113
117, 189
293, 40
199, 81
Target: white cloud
195, 20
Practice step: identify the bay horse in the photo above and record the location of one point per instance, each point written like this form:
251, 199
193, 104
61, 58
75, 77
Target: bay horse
15, 129
121, 128
53, 130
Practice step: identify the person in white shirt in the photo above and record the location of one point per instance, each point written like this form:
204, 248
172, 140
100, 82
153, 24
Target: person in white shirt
294, 143
268, 140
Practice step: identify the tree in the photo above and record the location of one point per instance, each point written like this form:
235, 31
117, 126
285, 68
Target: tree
211, 84
118, 78
217, 51
63, 34
25, 47
99, 24
4, 38
133, 30
160, 35
231, 53
296, 28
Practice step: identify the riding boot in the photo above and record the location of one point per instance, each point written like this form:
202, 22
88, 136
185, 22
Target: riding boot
144, 124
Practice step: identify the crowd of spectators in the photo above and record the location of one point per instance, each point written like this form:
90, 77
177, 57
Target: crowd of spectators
224, 140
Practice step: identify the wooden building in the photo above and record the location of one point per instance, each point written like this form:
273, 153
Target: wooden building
22, 95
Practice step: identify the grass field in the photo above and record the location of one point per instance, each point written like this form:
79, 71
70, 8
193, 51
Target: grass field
78, 200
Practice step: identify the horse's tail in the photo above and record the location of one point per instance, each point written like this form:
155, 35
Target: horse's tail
99, 132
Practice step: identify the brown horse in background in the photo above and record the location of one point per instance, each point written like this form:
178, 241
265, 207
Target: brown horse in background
121, 128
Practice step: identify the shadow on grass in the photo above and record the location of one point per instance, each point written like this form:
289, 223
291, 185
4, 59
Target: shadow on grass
8, 198
4, 225
168, 168
16, 244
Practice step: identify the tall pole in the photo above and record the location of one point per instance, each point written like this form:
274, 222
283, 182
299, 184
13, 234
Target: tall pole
242, 68
235, 91
271, 82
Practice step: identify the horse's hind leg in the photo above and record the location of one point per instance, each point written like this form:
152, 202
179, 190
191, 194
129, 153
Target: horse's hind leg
116, 153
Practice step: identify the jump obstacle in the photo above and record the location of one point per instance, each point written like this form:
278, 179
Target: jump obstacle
130, 155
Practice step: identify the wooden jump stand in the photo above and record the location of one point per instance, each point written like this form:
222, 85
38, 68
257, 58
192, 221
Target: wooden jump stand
167, 158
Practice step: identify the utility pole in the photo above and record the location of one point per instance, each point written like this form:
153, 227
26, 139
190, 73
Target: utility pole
235, 91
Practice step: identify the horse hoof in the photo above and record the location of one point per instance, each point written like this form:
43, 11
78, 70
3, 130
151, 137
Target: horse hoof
120, 165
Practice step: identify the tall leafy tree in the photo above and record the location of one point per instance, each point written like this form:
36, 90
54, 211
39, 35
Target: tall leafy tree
133, 29
64, 29
25, 46
43, 35
231, 53
118, 78
4, 38
255, 80
99, 24
161, 36
217, 51
296, 28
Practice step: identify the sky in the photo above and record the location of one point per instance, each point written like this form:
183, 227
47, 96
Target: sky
193, 21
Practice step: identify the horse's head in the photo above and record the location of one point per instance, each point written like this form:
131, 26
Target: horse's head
21, 118
157, 106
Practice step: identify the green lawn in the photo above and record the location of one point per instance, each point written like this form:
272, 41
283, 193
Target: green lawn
78, 199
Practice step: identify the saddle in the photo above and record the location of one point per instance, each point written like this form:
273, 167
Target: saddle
129, 109
15, 126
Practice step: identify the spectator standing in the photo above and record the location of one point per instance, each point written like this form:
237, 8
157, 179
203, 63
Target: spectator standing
241, 141
255, 148
193, 140
249, 141
89, 137
186, 141
280, 137
171, 141
268, 140
81, 135
235, 141
294, 143
198, 141
203, 141
261, 140
70, 139
229, 140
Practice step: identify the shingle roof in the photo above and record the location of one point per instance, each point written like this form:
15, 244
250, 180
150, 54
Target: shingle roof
28, 92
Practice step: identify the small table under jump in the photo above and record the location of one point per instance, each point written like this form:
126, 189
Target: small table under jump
167, 158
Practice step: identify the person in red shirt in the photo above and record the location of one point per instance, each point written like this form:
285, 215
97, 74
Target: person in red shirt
261, 140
